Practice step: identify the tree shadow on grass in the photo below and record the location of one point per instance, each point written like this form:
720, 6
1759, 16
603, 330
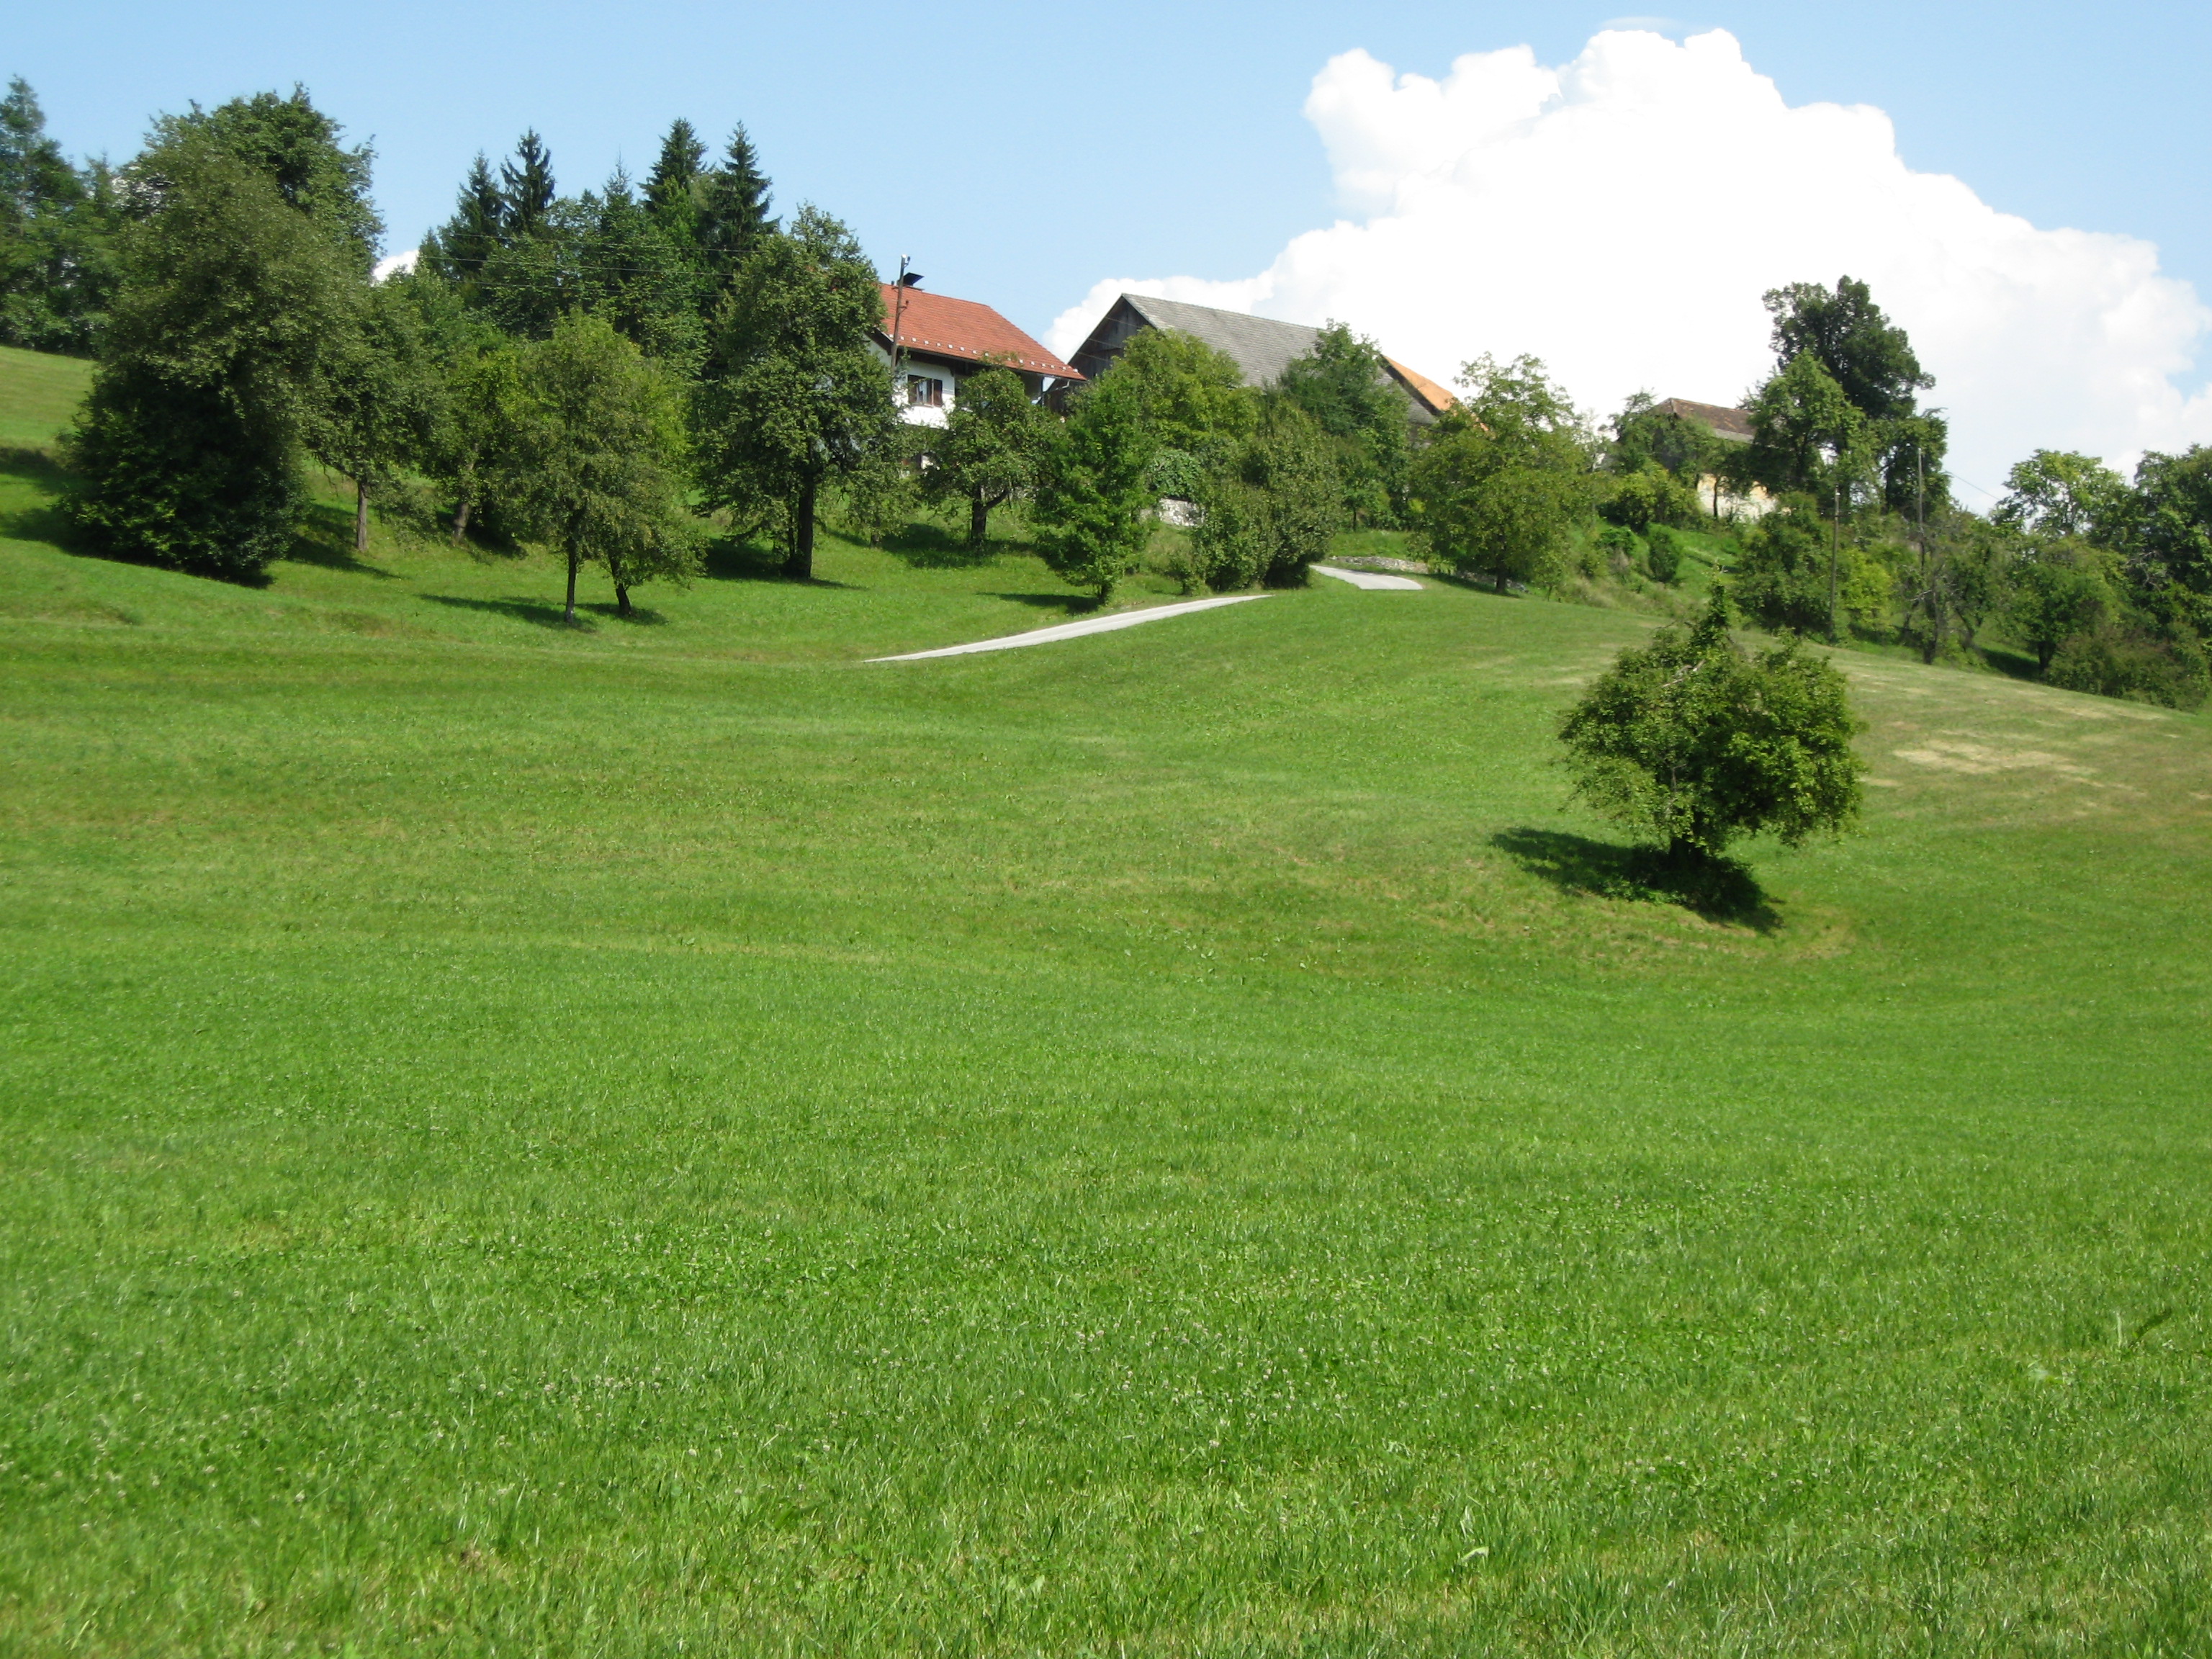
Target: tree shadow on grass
1718, 889
1074, 604
927, 546
325, 541
49, 520
539, 613
730, 560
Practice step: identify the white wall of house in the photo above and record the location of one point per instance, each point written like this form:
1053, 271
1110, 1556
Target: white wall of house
912, 368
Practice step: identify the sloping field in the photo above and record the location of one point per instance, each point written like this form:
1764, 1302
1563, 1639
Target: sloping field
671, 1138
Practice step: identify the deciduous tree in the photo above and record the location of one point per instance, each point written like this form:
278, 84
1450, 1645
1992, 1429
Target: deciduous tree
793, 391
1093, 502
592, 462
1695, 742
989, 452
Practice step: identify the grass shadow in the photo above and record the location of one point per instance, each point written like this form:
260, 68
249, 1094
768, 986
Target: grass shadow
730, 560
927, 546
325, 541
49, 520
1718, 889
539, 613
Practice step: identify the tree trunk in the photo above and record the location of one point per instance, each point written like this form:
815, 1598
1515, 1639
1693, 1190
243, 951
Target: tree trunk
979, 521
360, 516
622, 599
799, 566
461, 521
571, 617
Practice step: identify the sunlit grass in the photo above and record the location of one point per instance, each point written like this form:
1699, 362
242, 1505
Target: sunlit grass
583, 1141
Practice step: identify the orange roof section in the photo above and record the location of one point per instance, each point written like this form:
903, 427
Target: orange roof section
944, 327
1423, 387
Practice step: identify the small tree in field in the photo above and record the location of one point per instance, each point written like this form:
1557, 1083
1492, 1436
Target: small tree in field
594, 460
1693, 740
1094, 497
990, 448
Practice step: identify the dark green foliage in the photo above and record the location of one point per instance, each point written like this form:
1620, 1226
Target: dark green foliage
1808, 438
1093, 500
672, 187
1792, 564
792, 393
57, 228
2169, 526
593, 460
377, 397
1191, 397
1869, 356
527, 191
1643, 437
636, 271
1872, 364
1266, 513
1345, 385
230, 303
1504, 477
459, 250
1662, 554
990, 449
2113, 659
293, 144
1695, 742
734, 216
2057, 593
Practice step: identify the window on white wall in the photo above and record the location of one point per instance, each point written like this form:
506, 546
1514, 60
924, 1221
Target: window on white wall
924, 391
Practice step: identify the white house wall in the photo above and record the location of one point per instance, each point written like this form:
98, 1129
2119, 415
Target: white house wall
918, 414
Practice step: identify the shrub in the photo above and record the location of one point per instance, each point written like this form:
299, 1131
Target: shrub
1693, 740
2113, 660
1662, 554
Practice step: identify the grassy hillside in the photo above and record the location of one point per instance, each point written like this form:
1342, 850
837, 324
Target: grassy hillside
670, 1137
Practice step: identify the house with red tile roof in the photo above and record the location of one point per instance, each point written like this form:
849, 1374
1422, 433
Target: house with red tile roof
930, 342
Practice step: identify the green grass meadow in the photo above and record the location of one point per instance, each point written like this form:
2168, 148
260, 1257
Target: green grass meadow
670, 1138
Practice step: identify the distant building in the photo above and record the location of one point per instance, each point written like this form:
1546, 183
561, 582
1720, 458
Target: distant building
938, 341
1731, 426
1260, 346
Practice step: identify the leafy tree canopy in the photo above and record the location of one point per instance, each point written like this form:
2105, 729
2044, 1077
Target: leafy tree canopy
2059, 493
1189, 397
1867, 356
1094, 499
1692, 740
1506, 475
1344, 383
296, 146
592, 462
793, 391
57, 228
990, 450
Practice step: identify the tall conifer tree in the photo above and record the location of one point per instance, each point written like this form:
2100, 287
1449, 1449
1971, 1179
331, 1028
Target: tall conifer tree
526, 189
733, 208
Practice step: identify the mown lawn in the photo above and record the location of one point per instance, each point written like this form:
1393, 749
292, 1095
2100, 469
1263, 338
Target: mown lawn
671, 1138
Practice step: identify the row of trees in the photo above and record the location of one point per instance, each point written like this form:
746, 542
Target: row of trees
2107, 582
586, 371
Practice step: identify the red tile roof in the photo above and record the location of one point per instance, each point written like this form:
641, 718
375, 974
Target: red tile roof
940, 326
1434, 396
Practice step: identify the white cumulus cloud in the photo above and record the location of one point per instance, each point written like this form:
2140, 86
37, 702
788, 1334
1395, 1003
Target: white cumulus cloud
1620, 216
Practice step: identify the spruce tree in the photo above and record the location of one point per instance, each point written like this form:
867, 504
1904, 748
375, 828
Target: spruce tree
527, 191
459, 249
733, 209
672, 183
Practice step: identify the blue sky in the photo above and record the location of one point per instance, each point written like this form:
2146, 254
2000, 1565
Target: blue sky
1021, 151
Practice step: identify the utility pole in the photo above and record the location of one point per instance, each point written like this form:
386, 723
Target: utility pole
906, 281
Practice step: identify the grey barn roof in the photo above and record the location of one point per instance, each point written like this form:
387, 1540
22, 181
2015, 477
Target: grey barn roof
1260, 346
